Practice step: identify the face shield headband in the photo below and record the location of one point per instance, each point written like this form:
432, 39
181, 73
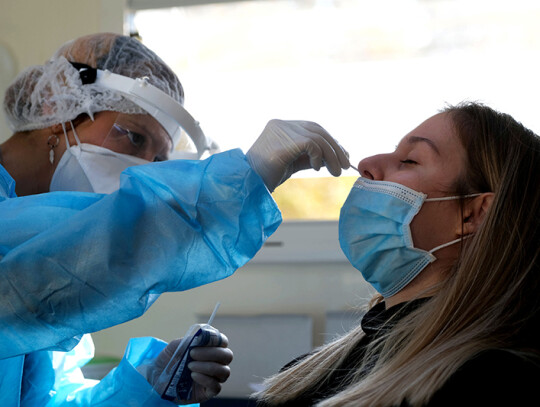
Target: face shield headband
167, 111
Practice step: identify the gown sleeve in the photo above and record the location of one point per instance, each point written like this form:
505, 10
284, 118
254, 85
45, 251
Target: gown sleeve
55, 379
74, 263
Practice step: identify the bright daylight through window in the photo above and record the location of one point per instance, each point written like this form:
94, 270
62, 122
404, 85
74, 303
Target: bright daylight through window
367, 71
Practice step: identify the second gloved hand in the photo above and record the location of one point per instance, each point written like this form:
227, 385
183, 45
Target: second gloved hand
209, 368
285, 147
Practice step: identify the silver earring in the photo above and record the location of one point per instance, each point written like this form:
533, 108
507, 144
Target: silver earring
52, 142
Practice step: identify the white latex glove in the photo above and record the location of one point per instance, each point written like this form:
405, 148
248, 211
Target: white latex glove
285, 147
209, 368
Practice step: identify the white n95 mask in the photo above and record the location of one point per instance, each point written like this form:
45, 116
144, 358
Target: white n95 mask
375, 235
90, 168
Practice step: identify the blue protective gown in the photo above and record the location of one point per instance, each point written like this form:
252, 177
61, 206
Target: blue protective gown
73, 263
55, 379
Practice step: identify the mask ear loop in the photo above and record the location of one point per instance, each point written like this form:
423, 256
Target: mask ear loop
442, 246
74, 133
65, 135
449, 198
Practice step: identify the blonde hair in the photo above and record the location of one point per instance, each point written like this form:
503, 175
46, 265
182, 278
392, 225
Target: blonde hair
489, 301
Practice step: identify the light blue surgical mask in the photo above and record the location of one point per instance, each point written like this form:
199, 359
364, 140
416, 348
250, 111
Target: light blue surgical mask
375, 234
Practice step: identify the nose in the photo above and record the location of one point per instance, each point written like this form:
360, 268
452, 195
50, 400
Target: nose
153, 152
148, 156
372, 167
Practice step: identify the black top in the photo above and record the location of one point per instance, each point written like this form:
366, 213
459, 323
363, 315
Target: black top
492, 378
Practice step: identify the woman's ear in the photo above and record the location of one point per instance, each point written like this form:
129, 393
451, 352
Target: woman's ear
474, 213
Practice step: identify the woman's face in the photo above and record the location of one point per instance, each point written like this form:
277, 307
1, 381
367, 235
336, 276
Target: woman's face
139, 135
429, 159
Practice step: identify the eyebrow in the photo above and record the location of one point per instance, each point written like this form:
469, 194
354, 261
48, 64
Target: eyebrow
416, 139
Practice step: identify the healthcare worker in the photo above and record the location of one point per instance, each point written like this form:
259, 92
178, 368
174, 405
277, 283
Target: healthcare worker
76, 262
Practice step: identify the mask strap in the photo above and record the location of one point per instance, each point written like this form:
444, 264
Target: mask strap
74, 133
449, 198
65, 135
442, 246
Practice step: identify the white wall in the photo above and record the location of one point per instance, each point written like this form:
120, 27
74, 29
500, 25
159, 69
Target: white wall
323, 293
301, 289
285, 285
260, 291
31, 30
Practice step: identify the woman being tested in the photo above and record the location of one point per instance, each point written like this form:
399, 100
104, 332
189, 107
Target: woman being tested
83, 248
446, 229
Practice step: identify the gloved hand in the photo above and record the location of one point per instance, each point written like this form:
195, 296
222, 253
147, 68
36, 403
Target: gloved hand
285, 147
209, 368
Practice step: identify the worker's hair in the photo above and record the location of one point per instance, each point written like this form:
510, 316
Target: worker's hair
490, 299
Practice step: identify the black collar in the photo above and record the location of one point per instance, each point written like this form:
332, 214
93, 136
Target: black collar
379, 320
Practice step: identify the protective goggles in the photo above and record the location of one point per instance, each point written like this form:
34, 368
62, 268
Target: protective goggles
139, 135
180, 126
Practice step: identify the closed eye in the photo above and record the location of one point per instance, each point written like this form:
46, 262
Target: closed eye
408, 161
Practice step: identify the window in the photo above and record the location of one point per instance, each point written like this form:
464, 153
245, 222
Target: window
368, 71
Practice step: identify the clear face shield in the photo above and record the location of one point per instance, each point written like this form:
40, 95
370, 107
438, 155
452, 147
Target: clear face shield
166, 117
139, 135
167, 132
